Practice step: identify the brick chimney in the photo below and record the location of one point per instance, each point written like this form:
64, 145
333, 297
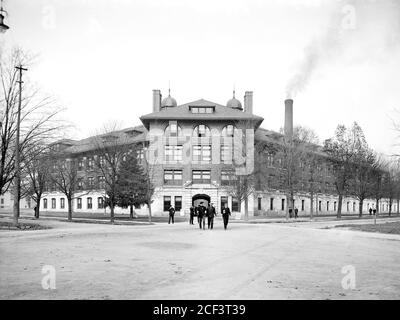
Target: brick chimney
156, 100
248, 102
289, 118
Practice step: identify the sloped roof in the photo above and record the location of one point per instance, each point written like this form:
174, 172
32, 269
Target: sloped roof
182, 112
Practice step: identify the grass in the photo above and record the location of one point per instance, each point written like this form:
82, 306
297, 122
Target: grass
6, 225
388, 227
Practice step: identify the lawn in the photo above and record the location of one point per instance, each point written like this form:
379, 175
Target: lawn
388, 227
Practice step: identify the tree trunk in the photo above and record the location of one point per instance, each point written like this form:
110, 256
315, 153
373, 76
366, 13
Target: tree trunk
149, 206
37, 208
398, 204
287, 206
311, 204
69, 200
112, 211
390, 206
131, 212
360, 208
377, 205
246, 209
339, 209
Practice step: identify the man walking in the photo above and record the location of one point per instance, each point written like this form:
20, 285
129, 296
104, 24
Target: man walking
191, 215
210, 216
202, 213
225, 215
370, 211
296, 211
171, 214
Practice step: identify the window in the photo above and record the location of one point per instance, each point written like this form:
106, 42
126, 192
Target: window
140, 154
2, 200
226, 153
320, 205
62, 203
167, 202
90, 182
201, 131
354, 206
173, 130
178, 203
327, 206
201, 176
270, 160
228, 131
259, 203
90, 163
302, 205
235, 204
173, 153
283, 205
89, 203
44, 203
102, 161
223, 201
102, 182
53, 203
348, 206
227, 176
271, 204
202, 109
201, 153
173, 177
79, 203
80, 184
100, 203
81, 164
334, 206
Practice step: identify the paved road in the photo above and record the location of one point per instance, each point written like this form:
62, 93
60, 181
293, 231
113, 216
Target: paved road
248, 261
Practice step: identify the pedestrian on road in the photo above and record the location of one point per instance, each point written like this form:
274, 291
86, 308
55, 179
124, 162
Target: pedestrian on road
374, 211
296, 211
202, 211
191, 215
370, 211
211, 213
225, 215
171, 214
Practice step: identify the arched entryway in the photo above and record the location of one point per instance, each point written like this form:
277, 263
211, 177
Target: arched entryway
198, 198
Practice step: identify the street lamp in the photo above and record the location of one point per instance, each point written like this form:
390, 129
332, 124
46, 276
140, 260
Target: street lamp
3, 26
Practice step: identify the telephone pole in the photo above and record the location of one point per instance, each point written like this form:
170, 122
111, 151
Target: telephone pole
17, 184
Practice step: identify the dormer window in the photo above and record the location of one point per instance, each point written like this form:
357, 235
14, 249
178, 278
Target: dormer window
202, 109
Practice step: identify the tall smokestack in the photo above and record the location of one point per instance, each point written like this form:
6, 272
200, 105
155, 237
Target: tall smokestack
156, 100
289, 118
248, 102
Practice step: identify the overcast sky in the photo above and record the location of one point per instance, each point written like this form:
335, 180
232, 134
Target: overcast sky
339, 60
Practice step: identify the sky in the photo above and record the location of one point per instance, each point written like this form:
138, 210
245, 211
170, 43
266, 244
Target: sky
339, 60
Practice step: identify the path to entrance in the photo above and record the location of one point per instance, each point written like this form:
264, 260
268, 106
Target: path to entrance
248, 261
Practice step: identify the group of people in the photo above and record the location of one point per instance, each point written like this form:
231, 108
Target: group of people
202, 212
296, 212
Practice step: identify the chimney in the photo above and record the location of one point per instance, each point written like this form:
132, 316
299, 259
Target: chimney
156, 100
289, 118
248, 102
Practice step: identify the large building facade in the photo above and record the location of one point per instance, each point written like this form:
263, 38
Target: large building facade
196, 151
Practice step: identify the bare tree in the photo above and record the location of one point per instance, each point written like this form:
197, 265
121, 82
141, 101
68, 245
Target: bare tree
111, 147
36, 176
341, 154
64, 176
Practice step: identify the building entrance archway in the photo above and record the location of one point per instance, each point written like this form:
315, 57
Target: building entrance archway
198, 198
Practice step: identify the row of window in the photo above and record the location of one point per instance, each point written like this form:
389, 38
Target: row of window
200, 131
201, 153
174, 177
89, 203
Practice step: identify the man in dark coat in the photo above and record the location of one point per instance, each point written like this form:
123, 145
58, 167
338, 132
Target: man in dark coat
191, 215
171, 214
296, 211
211, 213
225, 215
202, 215
370, 211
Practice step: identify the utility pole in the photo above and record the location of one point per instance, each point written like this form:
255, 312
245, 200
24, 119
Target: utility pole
17, 184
